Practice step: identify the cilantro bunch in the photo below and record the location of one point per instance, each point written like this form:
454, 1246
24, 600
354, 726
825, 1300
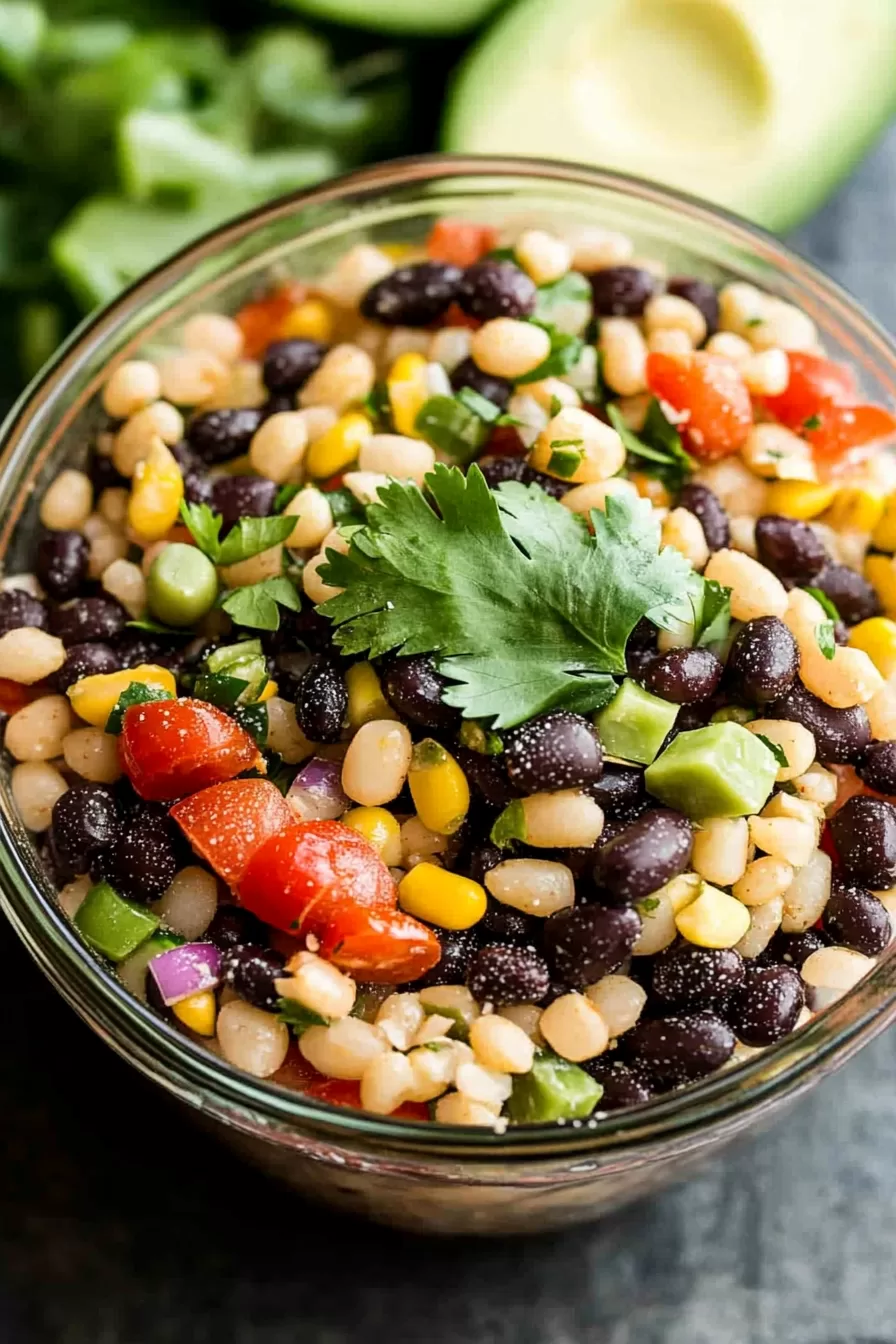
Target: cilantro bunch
257, 604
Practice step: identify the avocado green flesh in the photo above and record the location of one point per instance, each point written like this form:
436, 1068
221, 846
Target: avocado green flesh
554, 1089
400, 16
758, 105
719, 771
635, 723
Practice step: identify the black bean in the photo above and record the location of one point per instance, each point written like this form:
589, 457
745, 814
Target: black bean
86, 820
236, 497
412, 296
705, 505
696, 977
104, 475
621, 291
851, 594
482, 859
560, 750
85, 660
684, 676
623, 1086
702, 295
589, 941
763, 661
767, 1005
492, 288
864, 833
414, 687
489, 385
506, 467
641, 650
679, 1049
222, 434
61, 566
841, 735
486, 776
503, 924
789, 548
18, 608
289, 364
322, 701
88, 619
232, 926
620, 791
198, 488
791, 949
648, 853
502, 974
855, 918
135, 647
143, 861
877, 767
251, 971
459, 947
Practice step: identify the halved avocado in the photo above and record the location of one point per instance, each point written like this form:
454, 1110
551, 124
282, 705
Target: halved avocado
759, 105
413, 17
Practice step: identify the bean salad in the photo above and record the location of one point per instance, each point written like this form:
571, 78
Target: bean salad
462, 686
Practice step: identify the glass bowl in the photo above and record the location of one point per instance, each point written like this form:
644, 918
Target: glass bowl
430, 1178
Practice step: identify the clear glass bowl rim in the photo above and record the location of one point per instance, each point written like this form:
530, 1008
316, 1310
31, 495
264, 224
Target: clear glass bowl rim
192, 1072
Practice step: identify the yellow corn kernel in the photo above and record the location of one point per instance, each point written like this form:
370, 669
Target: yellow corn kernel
380, 829
94, 698
877, 638
648, 487
339, 446
445, 899
799, 499
270, 690
156, 493
855, 509
365, 696
408, 390
714, 919
198, 1012
310, 321
880, 571
884, 535
438, 787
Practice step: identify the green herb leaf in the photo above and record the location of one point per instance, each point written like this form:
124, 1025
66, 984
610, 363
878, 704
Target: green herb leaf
279, 773
204, 526
154, 628
502, 254
647, 906
754, 321
570, 288
813, 422
525, 609
344, 506
135, 694
285, 495
565, 353
299, 1018
377, 405
715, 616
251, 536
659, 442
256, 606
775, 749
824, 638
824, 601
449, 424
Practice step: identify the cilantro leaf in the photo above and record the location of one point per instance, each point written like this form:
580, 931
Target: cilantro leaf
377, 405
299, 1018
204, 526
824, 638
715, 617
659, 442
156, 628
449, 424
824, 601
565, 352
524, 608
285, 495
813, 422
135, 694
251, 536
551, 299
776, 750
344, 506
255, 606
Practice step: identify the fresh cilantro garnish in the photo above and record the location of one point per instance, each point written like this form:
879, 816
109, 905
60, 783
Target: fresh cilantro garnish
659, 443
813, 422
475, 737
135, 694
285, 495
299, 1018
566, 458
601, 394
565, 352
279, 773
824, 638
155, 628
509, 826
249, 537
449, 424
824, 602
777, 751
377, 405
256, 606
501, 254
551, 299
647, 906
524, 608
715, 615
344, 506
754, 321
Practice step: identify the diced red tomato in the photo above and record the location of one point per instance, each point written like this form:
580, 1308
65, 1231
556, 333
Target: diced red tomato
459, 241
296, 1073
305, 876
261, 320
827, 844
505, 442
815, 382
712, 394
845, 427
382, 946
228, 822
13, 696
170, 748
456, 317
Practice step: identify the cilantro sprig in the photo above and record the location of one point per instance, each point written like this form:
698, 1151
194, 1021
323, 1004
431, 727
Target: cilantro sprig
250, 536
658, 446
256, 605
523, 607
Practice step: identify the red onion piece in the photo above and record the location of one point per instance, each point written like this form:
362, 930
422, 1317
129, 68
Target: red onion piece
186, 970
316, 792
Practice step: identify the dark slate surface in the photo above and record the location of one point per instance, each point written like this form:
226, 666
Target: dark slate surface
121, 1225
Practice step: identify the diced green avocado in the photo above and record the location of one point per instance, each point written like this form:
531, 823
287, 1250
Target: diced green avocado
553, 1089
112, 925
719, 771
400, 16
760, 106
635, 723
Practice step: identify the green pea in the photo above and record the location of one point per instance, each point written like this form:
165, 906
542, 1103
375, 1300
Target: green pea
182, 585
